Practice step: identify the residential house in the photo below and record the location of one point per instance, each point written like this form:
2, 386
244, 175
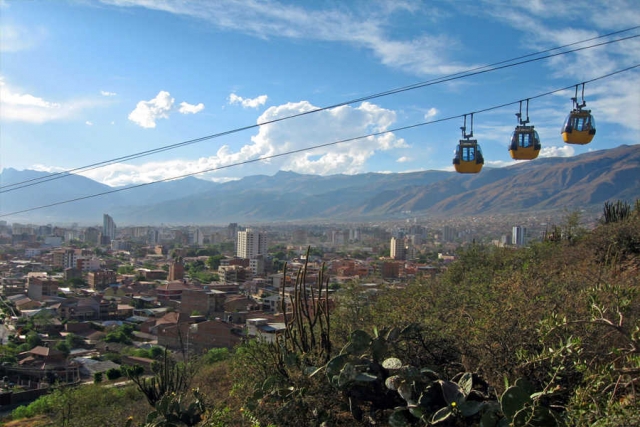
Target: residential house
198, 337
171, 290
263, 329
39, 287
204, 301
100, 279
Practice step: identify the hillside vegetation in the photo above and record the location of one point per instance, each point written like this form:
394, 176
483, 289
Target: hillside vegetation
541, 336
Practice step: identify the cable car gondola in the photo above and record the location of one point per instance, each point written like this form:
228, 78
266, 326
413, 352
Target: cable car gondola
525, 142
580, 126
468, 157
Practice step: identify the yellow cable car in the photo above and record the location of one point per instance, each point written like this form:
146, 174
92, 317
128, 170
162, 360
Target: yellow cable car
468, 157
580, 126
525, 142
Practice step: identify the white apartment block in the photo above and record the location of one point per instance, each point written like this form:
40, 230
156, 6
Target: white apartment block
251, 244
518, 235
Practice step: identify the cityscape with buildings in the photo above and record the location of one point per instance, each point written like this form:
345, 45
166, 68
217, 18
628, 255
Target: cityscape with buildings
227, 280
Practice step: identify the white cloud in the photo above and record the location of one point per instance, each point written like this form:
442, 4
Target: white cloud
106, 93
324, 127
147, 112
247, 102
431, 114
363, 27
45, 168
24, 100
563, 151
404, 159
88, 123
500, 163
186, 108
16, 105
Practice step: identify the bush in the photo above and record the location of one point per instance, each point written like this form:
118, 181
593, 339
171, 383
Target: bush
113, 374
215, 355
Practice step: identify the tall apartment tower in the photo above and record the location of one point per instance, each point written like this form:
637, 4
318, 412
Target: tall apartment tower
449, 234
108, 227
518, 235
397, 248
251, 244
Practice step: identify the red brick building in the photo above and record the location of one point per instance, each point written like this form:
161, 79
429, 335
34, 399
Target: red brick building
205, 301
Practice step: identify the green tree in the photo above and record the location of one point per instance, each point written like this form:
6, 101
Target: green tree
213, 262
74, 341
113, 374
33, 339
126, 269
63, 347
215, 355
121, 334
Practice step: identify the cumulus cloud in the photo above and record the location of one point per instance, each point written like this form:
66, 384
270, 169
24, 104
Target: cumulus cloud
247, 102
147, 113
273, 142
563, 151
88, 123
186, 108
404, 159
106, 93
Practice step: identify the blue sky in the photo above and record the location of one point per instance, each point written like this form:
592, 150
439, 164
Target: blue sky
86, 81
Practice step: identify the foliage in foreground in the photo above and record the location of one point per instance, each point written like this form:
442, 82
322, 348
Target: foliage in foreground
84, 406
563, 314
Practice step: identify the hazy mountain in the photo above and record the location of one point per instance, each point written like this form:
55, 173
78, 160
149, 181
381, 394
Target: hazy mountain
578, 182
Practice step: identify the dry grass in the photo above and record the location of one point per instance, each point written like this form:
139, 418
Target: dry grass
39, 421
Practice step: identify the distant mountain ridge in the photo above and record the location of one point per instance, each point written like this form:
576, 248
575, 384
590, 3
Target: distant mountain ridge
583, 181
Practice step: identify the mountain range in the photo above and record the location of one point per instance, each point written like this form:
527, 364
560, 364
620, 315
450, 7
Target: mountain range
585, 181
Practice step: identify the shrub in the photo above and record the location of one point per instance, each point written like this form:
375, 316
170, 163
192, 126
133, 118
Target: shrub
215, 355
113, 374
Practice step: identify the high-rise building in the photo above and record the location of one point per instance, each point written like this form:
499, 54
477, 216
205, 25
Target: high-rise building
518, 235
232, 230
449, 234
397, 248
251, 244
108, 228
